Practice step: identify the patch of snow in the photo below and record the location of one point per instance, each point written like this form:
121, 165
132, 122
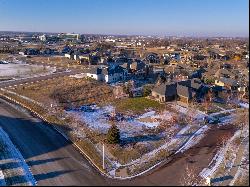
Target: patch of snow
217, 159
2, 181
79, 76
169, 145
244, 105
147, 114
146, 124
221, 112
194, 139
97, 118
21, 70
227, 119
112, 172
198, 115
166, 115
94, 117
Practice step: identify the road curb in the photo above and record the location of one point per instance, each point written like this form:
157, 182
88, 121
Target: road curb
77, 147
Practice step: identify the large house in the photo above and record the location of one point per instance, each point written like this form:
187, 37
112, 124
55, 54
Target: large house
183, 91
165, 92
109, 74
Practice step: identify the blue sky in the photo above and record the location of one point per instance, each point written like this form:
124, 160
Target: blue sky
147, 17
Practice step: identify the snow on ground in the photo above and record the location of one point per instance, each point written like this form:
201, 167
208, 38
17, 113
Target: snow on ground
97, 118
2, 181
221, 112
173, 142
79, 76
197, 113
217, 159
243, 171
94, 117
23, 70
10, 154
194, 139
147, 114
165, 115
244, 105
227, 119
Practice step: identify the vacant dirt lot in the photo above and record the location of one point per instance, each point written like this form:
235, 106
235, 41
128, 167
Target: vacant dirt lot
64, 90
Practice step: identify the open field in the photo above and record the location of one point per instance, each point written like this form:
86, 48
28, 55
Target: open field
56, 61
64, 90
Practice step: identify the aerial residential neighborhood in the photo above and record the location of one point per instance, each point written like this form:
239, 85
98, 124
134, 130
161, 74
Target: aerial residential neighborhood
81, 107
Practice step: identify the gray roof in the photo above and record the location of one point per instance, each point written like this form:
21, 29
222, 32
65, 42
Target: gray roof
222, 72
194, 83
167, 89
184, 91
228, 81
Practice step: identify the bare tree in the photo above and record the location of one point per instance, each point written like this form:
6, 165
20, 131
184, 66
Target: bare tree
241, 119
223, 140
207, 101
190, 115
189, 178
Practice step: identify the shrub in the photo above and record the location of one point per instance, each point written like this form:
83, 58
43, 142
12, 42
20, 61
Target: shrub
146, 91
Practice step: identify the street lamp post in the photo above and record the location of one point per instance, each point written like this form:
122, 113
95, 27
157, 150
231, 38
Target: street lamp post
103, 157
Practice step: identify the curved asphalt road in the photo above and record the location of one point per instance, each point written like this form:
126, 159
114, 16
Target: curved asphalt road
54, 161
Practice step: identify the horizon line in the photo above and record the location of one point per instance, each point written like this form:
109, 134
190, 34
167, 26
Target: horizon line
155, 35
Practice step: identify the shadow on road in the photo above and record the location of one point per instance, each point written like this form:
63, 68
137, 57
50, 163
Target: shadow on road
45, 161
49, 175
33, 138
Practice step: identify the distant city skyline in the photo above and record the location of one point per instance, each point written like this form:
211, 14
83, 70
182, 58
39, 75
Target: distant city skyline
201, 18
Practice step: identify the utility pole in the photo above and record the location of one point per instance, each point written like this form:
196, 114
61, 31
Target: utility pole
103, 156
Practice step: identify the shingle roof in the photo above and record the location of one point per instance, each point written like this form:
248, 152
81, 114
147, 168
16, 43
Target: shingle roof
194, 83
230, 82
167, 89
222, 72
184, 91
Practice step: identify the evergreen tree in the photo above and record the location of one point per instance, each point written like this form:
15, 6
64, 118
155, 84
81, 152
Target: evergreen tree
113, 136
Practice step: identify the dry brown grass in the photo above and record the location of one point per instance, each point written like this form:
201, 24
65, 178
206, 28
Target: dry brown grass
56, 61
61, 90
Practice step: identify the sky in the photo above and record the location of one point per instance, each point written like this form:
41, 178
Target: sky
142, 17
